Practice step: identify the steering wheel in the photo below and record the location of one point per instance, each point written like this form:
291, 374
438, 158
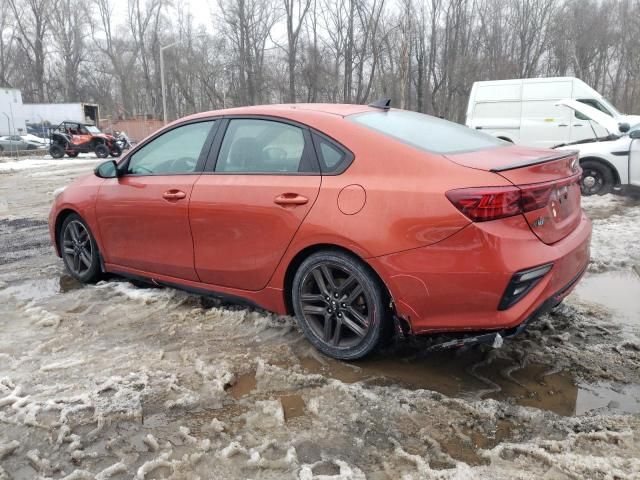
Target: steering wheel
183, 164
276, 153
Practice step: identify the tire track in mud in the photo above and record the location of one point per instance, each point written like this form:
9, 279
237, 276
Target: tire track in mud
23, 238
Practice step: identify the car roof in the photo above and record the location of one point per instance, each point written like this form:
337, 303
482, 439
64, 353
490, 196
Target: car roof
291, 111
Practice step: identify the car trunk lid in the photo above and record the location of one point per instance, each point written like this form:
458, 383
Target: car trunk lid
548, 181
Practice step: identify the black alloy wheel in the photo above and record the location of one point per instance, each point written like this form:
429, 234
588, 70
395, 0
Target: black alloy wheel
79, 250
596, 179
339, 304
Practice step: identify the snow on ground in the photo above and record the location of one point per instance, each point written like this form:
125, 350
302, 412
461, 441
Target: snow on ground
116, 381
616, 221
8, 164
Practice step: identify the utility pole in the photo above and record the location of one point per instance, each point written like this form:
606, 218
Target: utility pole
162, 82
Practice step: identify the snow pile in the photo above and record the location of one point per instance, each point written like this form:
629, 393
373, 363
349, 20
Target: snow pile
31, 163
616, 229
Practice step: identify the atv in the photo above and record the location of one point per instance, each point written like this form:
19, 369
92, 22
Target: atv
74, 138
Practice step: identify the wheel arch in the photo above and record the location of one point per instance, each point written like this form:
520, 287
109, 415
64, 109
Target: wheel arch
303, 254
62, 216
606, 163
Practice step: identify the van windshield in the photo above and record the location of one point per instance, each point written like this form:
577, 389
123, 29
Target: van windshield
426, 132
602, 105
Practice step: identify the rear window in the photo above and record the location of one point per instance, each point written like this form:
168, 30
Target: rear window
426, 132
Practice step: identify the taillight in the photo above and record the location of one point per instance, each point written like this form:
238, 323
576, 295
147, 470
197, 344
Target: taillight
481, 204
487, 203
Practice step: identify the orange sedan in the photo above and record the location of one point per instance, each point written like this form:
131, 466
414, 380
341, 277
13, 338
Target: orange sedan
358, 220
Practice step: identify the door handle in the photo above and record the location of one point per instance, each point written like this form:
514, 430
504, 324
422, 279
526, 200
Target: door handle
290, 199
563, 125
577, 124
174, 194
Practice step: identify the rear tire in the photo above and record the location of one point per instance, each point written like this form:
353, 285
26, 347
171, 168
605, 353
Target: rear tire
79, 250
116, 151
101, 151
56, 150
597, 178
340, 305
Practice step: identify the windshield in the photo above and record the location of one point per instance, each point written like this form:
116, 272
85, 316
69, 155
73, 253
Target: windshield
426, 132
602, 105
92, 129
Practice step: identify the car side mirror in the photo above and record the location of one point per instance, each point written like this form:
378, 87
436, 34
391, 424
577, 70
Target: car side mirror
624, 127
108, 169
635, 135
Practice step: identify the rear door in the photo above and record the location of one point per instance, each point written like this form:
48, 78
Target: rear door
143, 216
248, 205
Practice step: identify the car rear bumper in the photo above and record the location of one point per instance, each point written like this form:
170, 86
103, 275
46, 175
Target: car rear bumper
458, 283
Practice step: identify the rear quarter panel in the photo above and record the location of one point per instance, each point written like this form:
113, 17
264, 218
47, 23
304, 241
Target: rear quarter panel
405, 204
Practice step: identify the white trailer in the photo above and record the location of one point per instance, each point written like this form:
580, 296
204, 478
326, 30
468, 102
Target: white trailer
12, 118
56, 113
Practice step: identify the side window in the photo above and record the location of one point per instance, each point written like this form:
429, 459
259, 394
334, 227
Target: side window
176, 151
333, 159
264, 146
580, 116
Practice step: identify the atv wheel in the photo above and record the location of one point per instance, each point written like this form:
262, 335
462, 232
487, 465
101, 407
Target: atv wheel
101, 151
116, 151
73, 154
56, 151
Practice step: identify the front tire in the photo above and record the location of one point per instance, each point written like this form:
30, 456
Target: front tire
340, 305
79, 250
56, 151
101, 151
597, 178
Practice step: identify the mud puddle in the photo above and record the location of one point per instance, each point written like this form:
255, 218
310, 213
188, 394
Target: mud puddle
292, 404
616, 291
41, 288
468, 376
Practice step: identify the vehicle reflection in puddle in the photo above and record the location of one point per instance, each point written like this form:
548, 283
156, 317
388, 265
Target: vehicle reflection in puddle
617, 291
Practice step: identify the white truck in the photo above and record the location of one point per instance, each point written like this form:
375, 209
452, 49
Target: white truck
12, 119
526, 111
56, 113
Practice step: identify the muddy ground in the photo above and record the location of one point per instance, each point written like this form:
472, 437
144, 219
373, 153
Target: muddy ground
117, 381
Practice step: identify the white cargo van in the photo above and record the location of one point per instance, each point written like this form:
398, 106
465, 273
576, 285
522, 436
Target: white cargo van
525, 111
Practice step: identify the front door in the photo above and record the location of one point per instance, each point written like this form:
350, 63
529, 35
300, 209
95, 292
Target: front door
143, 216
634, 163
246, 211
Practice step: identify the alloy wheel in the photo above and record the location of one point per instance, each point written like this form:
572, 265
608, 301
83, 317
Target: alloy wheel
77, 248
592, 181
335, 305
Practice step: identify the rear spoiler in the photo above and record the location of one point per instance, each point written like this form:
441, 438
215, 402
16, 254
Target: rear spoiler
537, 161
